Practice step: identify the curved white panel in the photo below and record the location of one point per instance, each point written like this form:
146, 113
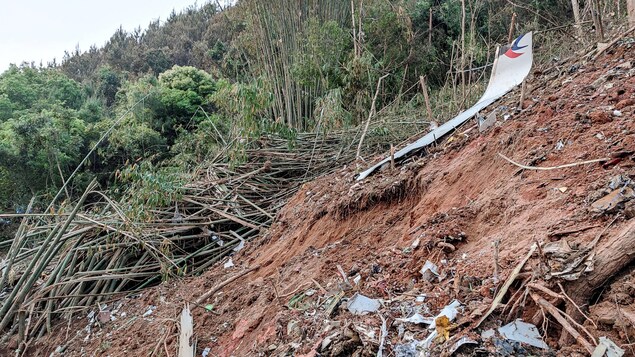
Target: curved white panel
510, 68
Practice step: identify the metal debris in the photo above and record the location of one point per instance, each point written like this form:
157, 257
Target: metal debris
608, 348
361, 305
149, 311
613, 199
507, 73
417, 319
429, 271
461, 342
521, 331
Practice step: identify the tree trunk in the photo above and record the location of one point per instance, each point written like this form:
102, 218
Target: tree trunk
576, 15
630, 7
462, 51
597, 20
613, 256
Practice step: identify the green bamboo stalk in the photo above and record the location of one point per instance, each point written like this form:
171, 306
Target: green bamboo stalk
11, 303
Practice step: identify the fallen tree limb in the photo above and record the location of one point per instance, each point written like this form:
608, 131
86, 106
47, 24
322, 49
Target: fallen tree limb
557, 314
616, 40
215, 289
552, 167
557, 296
508, 283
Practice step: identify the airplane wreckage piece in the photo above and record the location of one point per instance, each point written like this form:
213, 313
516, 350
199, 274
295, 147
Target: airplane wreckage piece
510, 68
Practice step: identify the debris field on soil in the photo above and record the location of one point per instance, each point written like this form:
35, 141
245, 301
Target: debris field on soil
456, 252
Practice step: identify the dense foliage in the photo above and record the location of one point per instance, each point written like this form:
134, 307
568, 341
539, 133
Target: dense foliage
178, 91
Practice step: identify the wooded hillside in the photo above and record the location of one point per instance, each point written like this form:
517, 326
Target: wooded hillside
170, 95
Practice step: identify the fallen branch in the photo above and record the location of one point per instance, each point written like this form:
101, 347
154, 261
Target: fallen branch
557, 314
571, 231
552, 167
215, 289
616, 40
557, 296
508, 283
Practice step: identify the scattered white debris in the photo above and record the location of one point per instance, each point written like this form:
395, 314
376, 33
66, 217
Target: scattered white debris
617, 113
91, 316
361, 305
462, 341
357, 279
240, 246
382, 338
523, 332
229, 263
150, 310
328, 340
608, 348
559, 145
206, 351
429, 271
450, 311
488, 334
417, 318
407, 349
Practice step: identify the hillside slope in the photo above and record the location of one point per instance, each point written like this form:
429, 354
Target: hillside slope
448, 207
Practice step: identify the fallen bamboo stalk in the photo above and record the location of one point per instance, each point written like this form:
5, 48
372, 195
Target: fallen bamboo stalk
6, 312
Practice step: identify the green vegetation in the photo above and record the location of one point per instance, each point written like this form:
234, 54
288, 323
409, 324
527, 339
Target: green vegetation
207, 82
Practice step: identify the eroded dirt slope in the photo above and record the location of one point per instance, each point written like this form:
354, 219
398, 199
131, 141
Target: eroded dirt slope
448, 207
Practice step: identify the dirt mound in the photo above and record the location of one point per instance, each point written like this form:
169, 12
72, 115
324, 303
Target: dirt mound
453, 207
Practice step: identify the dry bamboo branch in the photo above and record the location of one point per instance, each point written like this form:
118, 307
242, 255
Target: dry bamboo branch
370, 116
553, 167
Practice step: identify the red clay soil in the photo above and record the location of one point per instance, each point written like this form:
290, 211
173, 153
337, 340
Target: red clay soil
462, 194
